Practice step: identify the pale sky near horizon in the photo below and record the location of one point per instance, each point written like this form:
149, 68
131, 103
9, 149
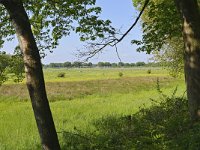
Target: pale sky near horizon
122, 14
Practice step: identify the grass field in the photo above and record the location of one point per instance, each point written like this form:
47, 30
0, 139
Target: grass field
80, 101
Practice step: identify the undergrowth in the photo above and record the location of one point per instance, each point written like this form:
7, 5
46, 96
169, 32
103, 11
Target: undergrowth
163, 126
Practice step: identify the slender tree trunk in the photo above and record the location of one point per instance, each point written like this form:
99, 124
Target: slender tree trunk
34, 74
191, 36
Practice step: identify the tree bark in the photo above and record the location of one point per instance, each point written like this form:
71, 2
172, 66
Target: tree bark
34, 74
191, 35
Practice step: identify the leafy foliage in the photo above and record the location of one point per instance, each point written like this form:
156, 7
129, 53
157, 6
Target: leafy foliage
171, 57
16, 66
160, 22
149, 71
162, 32
11, 66
120, 74
4, 62
51, 20
61, 75
165, 125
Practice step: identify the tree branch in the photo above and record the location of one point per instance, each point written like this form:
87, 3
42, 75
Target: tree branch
111, 40
134, 24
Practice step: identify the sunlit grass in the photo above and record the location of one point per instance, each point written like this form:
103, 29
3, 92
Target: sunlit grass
85, 74
99, 73
78, 100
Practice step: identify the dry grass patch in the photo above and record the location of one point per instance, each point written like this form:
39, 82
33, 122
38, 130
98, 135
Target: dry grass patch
78, 89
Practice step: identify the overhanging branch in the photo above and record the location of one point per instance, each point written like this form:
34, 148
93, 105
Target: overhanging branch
136, 21
111, 40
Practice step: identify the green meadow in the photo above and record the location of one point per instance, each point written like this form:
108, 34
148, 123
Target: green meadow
85, 103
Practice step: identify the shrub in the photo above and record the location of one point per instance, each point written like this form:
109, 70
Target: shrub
120, 74
61, 75
149, 71
165, 125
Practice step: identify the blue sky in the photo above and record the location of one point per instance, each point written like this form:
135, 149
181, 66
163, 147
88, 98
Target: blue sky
122, 14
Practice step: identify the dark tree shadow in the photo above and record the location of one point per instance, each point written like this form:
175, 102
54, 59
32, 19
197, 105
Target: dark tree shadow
164, 126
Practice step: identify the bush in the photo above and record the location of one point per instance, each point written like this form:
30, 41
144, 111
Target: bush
149, 71
61, 75
165, 125
120, 74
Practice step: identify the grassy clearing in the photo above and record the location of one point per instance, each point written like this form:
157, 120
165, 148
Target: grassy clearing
79, 105
75, 74
165, 125
99, 73
79, 83
71, 90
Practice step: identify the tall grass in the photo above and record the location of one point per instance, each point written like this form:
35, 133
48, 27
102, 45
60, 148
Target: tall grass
78, 106
85, 74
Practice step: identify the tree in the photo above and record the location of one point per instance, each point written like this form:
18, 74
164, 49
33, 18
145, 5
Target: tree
90, 64
114, 65
11, 64
77, 64
100, 64
67, 64
126, 64
52, 65
107, 64
132, 64
139, 64
191, 36
159, 29
16, 66
171, 57
120, 64
164, 38
4, 63
87, 64
45, 22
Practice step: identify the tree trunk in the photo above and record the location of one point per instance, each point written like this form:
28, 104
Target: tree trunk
34, 74
191, 36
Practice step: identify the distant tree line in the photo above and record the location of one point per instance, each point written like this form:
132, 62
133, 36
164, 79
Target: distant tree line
78, 64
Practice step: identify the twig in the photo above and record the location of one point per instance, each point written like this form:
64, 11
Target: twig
111, 40
137, 19
116, 49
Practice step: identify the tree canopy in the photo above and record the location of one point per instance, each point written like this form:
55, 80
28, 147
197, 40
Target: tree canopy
162, 33
160, 22
4, 62
13, 65
52, 19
